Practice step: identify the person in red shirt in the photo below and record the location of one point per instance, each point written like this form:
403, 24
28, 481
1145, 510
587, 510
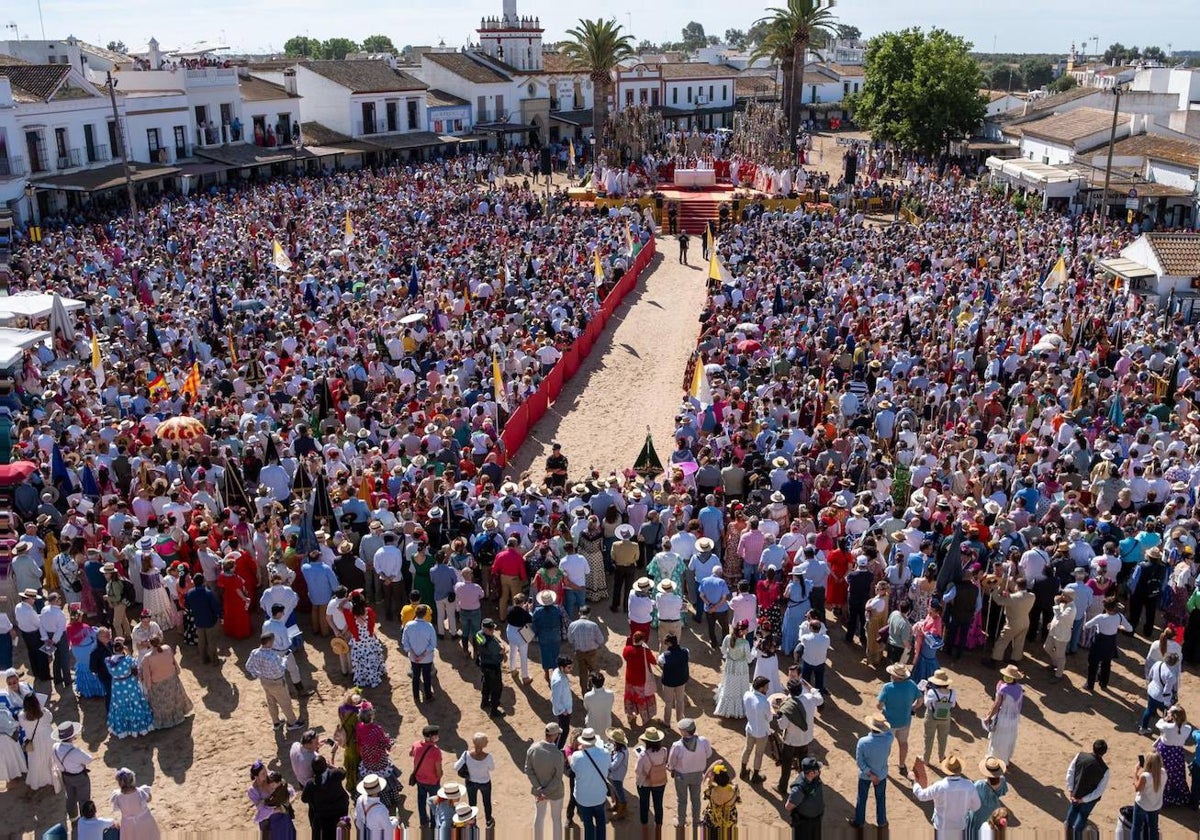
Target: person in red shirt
427, 768
509, 566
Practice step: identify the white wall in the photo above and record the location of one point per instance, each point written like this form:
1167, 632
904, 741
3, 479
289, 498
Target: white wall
323, 101
1044, 151
142, 113
826, 90
722, 95
439, 77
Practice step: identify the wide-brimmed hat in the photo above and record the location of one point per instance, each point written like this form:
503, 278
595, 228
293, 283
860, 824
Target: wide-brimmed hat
992, 766
941, 678
704, 544
777, 497
616, 736
108, 569
29, 593
588, 737
339, 646
1011, 673
371, 785
345, 547
652, 735
643, 584
464, 813
67, 730
952, 765
624, 532
546, 597
877, 723
899, 670
666, 586
450, 790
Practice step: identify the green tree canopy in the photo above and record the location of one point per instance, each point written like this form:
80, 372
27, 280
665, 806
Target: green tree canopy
757, 32
1037, 73
378, 44
1005, 77
1154, 54
337, 48
694, 37
736, 38
1063, 83
301, 46
921, 90
116, 46
848, 32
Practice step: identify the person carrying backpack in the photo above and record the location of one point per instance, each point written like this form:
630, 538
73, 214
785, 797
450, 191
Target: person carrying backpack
794, 720
484, 549
940, 700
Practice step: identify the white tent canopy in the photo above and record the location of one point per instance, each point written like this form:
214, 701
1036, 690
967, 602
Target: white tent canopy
33, 305
23, 339
1034, 175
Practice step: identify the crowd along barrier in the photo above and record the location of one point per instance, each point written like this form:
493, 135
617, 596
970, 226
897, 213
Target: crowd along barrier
520, 422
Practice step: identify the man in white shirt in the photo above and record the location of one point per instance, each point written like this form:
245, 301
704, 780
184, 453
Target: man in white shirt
795, 718
72, 764
388, 562
574, 567
669, 607
1033, 563
337, 623
758, 727
370, 815
1061, 628
52, 627
953, 797
640, 605
815, 642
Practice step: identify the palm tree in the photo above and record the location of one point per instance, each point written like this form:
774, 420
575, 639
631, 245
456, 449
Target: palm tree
597, 46
805, 23
776, 46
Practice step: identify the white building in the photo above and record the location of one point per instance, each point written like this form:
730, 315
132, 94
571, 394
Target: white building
691, 94
1056, 139
1163, 269
70, 50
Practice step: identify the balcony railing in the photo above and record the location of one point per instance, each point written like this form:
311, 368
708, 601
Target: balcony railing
13, 167
98, 154
70, 160
182, 152
367, 127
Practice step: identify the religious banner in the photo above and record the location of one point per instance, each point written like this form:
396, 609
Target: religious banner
901, 482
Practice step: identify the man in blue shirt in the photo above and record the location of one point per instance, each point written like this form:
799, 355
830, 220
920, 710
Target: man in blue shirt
898, 700
321, 581
589, 766
206, 610
712, 520
562, 702
714, 595
871, 756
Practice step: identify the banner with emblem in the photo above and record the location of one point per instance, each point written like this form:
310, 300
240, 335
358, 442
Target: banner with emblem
901, 483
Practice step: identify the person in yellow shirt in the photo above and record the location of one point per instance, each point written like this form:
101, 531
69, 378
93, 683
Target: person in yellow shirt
409, 611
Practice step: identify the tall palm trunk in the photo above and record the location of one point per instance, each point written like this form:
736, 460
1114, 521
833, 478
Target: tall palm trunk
797, 95
600, 85
785, 94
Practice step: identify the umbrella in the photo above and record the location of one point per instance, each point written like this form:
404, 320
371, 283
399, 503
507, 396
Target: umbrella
749, 327
748, 345
59, 320
688, 467
179, 429
337, 253
251, 305
415, 318
647, 462
16, 472
233, 489
713, 369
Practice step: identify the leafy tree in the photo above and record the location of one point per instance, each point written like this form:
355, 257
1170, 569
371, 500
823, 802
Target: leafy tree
802, 22
301, 46
736, 38
1154, 54
757, 32
694, 37
1037, 73
596, 46
378, 44
1115, 53
921, 90
337, 48
848, 32
645, 46
116, 46
1005, 77
1062, 84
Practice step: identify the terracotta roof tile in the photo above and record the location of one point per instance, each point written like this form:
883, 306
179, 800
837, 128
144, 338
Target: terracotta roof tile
1178, 253
695, 70
465, 67
364, 76
35, 81
1165, 149
255, 89
1069, 126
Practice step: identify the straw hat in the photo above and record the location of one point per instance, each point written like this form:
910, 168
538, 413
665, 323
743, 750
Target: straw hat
992, 766
68, 730
371, 785
464, 813
339, 646
588, 737
652, 735
952, 765
643, 584
899, 670
1011, 673
547, 597
624, 532
450, 790
704, 544
941, 678
666, 586
877, 723
616, 736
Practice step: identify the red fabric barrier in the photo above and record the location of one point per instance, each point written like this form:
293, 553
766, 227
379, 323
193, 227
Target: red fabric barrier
518, 425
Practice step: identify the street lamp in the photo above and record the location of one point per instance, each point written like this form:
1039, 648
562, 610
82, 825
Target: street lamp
1117, 90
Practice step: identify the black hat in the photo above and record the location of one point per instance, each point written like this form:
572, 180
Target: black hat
489, 623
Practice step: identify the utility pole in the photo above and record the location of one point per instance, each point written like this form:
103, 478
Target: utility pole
112, 97
1112, 139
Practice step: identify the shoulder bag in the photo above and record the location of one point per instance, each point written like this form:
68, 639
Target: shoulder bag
412, 777
610, 791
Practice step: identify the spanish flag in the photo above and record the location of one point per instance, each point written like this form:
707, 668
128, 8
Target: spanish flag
191, 385
599, 269
97, 361
1057, 276
498, 392
348, 237
714, 265
280, 258
700, 391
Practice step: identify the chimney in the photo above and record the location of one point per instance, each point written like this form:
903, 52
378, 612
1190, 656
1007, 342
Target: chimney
289, 81
153, 55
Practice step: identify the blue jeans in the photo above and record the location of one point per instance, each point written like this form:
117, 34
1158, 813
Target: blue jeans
595, 824
572, 601
1077, 818
1152, 708
1076, 634
1145, 824
425, 793
471, 622
750, 573
860, 807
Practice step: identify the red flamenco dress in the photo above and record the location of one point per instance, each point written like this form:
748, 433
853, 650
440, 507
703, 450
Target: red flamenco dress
236, 621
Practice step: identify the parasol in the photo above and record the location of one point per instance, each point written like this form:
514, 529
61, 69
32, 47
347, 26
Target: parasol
647, 463
179, 429
748, 345
16, 472
251, 305
415, 318
747, 326
713, 369
688, 467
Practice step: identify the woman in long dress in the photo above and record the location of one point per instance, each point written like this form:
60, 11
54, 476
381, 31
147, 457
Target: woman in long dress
735, 673
927, 641
990, 789
130, 803
235, 605
733, 535
1174, 733
1004, 717
877, 616
182, 586
639, 680
37, 726
366, 651
422, 564
795, 609
547, 626
159, 673
129, 713
721, 797
82, 639
346, 737
12, 756
591, 546
155, 596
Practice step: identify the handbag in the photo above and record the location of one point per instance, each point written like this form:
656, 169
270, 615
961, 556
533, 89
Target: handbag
412, 777
526, 633
28, 745
464, 772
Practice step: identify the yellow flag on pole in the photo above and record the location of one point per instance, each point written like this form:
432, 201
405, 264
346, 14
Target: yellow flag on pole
714, 265
280, 258
599, 268
348, 237
571, 152
233, 357
498, 392
1077, 391
1057, 276
191, 385
97, 361
701, 391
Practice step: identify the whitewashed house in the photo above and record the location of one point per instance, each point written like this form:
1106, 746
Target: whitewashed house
1058, 138
1163, 270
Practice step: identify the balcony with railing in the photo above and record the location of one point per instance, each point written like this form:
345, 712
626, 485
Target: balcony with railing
70, 160
216, 135
12, 167
99, 154
362, 127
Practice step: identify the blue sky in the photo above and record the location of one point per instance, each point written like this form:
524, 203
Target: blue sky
260, 25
